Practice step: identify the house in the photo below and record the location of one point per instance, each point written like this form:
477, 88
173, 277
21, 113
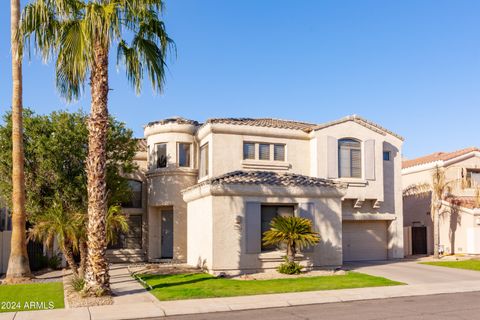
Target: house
459, 223
207, 191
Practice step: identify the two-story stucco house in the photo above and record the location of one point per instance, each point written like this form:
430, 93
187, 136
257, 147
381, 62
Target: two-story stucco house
459, 219
213, 188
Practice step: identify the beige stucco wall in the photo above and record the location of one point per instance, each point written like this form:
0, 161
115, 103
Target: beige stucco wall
200, 233
216, 227
453, 227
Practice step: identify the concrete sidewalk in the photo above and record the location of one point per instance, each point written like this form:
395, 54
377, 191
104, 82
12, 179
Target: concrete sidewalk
133, 302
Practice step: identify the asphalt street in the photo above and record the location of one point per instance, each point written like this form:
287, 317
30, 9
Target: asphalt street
434, 307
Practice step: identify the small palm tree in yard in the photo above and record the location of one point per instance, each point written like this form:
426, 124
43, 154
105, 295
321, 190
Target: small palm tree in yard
62, 226
79, 35
295, 233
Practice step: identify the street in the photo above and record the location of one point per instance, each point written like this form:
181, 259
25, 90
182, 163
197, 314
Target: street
445, 306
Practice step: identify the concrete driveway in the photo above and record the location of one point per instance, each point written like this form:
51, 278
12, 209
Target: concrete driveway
411, 272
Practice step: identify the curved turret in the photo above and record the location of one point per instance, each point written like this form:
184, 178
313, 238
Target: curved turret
172, 167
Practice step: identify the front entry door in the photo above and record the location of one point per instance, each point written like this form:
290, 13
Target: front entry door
167, 234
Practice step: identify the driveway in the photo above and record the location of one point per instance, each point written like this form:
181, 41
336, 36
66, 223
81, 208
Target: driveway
411, 272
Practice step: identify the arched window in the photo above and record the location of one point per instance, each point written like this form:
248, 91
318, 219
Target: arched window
349, 158
136, 198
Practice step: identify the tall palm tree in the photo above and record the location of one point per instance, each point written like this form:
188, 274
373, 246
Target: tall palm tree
116, 223
294, 232
79, 35
440, 189
18, 264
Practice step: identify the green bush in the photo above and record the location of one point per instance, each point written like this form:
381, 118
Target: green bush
54, 262
77, 283
289, 267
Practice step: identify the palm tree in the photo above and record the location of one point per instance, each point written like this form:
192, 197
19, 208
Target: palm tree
294, 232
80, 34
18, 264
440, 189
57, 223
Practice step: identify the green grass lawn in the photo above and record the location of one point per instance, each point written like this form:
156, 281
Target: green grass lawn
464, 264
34, 296
193, 286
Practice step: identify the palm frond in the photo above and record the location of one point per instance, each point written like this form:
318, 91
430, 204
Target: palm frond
116, 223
291, 230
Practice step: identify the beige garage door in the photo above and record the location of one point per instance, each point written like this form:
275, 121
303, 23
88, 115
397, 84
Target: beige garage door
364, 240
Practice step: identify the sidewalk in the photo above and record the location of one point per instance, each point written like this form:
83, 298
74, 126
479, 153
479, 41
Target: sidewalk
133, 302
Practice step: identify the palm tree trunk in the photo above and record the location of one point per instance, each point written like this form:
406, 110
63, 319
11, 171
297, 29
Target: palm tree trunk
68, 253
97, 279
291, 251
436, 233
83, 257
18, 264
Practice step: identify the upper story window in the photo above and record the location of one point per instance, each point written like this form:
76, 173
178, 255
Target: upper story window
279, 152
473, 178
266, 151
203, 165
349, 158
386, 155
161, 155
136, 196
249, 151
184, 156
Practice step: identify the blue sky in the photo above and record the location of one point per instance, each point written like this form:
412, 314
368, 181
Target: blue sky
410, 66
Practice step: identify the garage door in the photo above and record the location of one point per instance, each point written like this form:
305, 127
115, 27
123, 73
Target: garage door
364, 240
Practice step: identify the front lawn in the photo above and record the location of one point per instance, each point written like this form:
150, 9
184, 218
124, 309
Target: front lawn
464, 264
201, 285
33, 296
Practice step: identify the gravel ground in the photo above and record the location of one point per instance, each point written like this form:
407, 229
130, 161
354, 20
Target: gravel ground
73, 299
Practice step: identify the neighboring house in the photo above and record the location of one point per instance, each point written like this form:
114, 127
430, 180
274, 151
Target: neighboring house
211, 189
460, 216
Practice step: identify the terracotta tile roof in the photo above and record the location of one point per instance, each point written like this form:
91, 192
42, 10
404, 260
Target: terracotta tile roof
279, 123
355, 118
437, 156
141, 145
465, 202
265, 122
178, 120
270, 178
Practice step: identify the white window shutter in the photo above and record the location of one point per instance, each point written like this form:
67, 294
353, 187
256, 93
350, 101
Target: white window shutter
307, 210
332, 157
253, 231
370, 159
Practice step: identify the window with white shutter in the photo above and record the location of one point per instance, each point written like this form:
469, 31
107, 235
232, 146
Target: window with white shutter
203, 166
349, 158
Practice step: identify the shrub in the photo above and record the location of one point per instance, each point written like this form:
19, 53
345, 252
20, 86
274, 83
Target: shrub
54, 262
289, 267
77, 283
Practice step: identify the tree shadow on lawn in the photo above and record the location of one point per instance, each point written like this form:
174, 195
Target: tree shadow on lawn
176, 283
